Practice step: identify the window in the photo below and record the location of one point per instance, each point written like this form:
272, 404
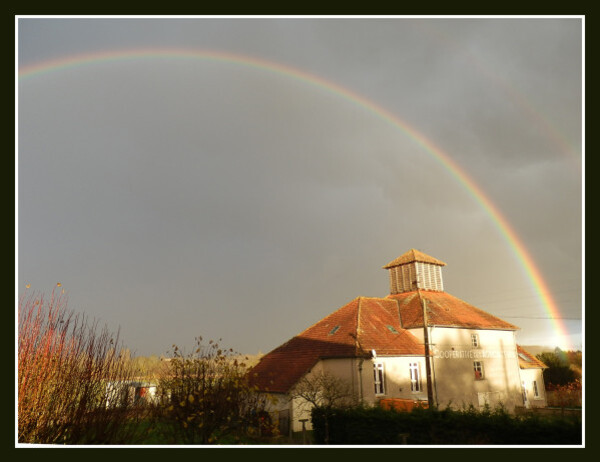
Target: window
474, 340
415, 380
378, 378
478, 368
334, 330
536, 392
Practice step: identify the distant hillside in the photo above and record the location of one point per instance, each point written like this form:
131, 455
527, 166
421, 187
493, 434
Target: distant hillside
251, 360
537, 349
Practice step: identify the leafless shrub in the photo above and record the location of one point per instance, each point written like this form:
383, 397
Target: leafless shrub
66, 365
324, 390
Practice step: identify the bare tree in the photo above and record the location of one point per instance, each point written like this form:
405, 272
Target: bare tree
324, 390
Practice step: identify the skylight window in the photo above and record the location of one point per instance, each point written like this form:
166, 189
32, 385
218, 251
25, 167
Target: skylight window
392, 330
524, 358
334, 330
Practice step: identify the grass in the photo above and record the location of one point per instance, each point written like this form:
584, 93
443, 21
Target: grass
155, 434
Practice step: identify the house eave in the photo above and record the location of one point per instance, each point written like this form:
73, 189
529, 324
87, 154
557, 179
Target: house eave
458, 326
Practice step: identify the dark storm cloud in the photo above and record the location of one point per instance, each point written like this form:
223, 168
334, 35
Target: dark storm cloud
180, 198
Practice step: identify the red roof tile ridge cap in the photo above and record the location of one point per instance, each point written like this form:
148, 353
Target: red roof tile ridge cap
398, 311
423, 306
381, 299
402, 294
359, 350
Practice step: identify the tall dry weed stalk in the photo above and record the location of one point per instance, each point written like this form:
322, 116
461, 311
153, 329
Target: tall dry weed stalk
65, 366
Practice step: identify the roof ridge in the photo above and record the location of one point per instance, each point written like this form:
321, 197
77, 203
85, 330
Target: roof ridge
398, 312
414, 255
423, 306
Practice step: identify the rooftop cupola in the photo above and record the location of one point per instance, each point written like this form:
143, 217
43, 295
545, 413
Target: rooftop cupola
415, 270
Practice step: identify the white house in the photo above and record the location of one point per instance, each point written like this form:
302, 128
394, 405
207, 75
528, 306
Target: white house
134, 391
418, 345
532, 379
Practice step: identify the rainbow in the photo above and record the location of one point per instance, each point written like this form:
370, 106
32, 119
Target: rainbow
516, 245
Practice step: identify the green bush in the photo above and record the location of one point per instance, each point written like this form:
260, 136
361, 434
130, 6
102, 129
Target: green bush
205, 398
559, 371
466, 426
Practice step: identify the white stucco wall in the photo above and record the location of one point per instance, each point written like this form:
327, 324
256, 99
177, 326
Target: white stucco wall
397, 383
453, 367
528, 376
342, 368
452, 372
279, 406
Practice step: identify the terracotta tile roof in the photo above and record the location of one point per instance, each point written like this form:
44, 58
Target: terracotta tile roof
380, 329
446, 310
528, 361
365, 324
411, 256
353, 330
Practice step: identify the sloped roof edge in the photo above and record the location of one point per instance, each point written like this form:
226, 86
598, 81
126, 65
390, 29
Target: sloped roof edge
413, 255
528, 360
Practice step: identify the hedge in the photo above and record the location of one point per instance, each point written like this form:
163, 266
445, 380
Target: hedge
467, 426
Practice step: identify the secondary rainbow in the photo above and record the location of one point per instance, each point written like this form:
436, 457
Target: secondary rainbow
516, 245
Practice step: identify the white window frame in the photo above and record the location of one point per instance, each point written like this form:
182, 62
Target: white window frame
474, 340
379, 379
535, 388
478, 370
415, 377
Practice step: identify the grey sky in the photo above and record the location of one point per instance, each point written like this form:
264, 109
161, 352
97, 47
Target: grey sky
176, 198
